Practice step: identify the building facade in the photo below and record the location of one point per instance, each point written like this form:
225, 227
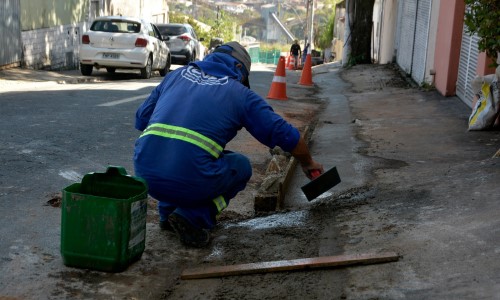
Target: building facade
428, 40
46, 34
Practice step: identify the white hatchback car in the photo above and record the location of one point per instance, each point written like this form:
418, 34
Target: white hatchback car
116, 42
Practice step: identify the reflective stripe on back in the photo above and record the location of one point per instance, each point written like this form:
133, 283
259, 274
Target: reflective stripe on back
220, 203
184, 134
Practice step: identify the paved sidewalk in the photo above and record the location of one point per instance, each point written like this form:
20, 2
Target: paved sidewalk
20, 74
16, 79
415, 181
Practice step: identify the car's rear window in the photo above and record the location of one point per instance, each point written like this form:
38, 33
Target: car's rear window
172, 30
116, 26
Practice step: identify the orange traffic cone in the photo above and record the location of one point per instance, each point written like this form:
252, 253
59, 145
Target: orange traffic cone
278, 86
306, 77
291, 63
287, 62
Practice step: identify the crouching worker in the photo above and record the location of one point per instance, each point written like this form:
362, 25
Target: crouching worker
186, 123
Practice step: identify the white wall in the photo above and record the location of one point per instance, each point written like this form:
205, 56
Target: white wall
138, 8
431, 46
51, 48
388, 31
56, 47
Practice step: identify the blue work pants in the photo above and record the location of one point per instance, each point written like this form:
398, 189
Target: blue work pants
203, 213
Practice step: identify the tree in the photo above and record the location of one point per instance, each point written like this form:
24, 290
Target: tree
481, 17
222, 26
323, 35
360, 22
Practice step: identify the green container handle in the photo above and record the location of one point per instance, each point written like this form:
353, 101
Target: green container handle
119, 170
91, 181
116, 170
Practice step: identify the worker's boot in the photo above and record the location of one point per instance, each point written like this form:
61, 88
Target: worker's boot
189, 234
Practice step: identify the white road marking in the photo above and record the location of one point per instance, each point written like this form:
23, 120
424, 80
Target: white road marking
116, 102
71, 175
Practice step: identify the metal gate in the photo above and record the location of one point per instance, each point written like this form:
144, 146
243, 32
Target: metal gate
413, 37
10, 31
421, 41
467, 66
406, 23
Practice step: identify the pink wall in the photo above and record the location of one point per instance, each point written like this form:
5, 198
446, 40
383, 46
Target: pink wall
448, 40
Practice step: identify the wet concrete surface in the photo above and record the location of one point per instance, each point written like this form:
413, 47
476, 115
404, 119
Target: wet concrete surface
414, 181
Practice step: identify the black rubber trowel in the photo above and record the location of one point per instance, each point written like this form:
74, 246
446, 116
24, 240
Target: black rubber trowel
320, 183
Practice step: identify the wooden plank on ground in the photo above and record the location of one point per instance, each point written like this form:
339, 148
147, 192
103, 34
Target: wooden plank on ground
290, 265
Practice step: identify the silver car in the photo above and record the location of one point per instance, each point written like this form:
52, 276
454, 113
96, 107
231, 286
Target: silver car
116, 42
182, 42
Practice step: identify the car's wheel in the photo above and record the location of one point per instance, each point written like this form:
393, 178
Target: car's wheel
190, 58
165, 70
146, 71
111, 70
86, 69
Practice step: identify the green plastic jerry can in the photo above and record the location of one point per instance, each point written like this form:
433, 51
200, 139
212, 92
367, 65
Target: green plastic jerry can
103, 223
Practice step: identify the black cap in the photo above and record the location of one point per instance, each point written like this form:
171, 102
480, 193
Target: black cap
240, 53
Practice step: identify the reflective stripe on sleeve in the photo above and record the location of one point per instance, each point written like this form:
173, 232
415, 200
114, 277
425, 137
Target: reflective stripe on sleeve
184, 134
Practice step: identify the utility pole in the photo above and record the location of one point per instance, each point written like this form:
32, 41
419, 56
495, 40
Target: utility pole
309, 23
311, 35
217, 23
346, 53
306, 30
195, 10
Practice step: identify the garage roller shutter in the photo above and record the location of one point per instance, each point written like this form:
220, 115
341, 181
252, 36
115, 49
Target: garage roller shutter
467, 67
407, 13
421, 41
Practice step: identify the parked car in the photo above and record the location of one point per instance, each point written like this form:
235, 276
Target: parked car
116, 42
182, 42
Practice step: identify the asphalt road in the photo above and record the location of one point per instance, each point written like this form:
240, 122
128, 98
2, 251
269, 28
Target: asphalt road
50, 138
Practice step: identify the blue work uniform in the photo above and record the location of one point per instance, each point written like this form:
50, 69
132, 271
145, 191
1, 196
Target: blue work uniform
187, 121
304, 54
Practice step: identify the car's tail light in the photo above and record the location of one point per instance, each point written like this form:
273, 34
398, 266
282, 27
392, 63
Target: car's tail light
185, 38
85, 39
141, 42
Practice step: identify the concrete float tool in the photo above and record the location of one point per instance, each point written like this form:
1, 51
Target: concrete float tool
321, 183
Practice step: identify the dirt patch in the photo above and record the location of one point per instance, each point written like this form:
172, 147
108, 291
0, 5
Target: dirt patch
376, 78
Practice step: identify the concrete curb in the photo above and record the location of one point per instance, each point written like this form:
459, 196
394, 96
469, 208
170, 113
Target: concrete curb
79, 80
